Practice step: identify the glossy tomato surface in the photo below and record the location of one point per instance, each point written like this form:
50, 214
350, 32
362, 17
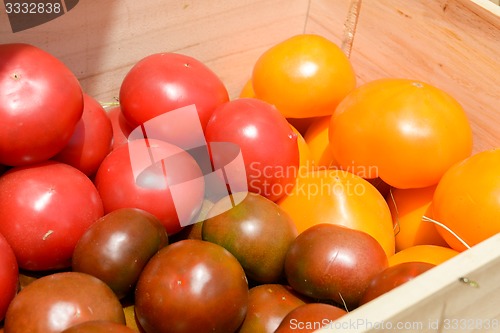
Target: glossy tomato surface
268, 144
341, 198
310, 317
305, 76
9, 276
256, 231
406, 132
58, 301
99, 326
41, 102
467, 200
335, 263
192, 286
116, 247
149, 186
392, 277
45, 209
163, 82
121, 129
268, 304
91, 141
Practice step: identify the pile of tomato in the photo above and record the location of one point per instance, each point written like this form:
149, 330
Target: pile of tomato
344, 192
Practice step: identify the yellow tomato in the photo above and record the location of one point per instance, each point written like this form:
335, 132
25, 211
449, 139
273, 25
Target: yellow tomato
316, 138
339, 197
467, 200
408, 207
432, 254
406, 132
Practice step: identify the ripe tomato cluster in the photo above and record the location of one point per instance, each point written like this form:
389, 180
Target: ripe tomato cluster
183, 210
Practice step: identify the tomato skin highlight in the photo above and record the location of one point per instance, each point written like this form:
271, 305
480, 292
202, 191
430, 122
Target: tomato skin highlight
163, 82
406, 132
41, 102
467, 200
256, 231
259, 129
58, 204
118, 188
117, 246
304, 76
192, 286
62, 300
334, 263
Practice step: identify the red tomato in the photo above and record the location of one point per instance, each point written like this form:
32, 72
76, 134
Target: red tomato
40, 104
167, 81
268, 143
9, 276
91, 141
45, 209
151, 190
121, 129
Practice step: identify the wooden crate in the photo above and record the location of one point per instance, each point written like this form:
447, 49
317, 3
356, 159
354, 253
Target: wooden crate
453, 44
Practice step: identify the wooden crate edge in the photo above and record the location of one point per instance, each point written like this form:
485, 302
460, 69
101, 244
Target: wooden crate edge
437, 298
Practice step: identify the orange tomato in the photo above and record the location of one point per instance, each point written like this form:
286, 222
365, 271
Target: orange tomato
304, 152
304, 76
408, 206
339, 197
247, 90
467, 200
432, 254
316, 138
301, 124
406, 132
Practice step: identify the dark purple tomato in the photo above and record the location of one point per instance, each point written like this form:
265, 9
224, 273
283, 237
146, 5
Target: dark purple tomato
99, 326
58, 301
309, 318
116, 247
333, 262
191, 286
392, 277
268, 304
256, 231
